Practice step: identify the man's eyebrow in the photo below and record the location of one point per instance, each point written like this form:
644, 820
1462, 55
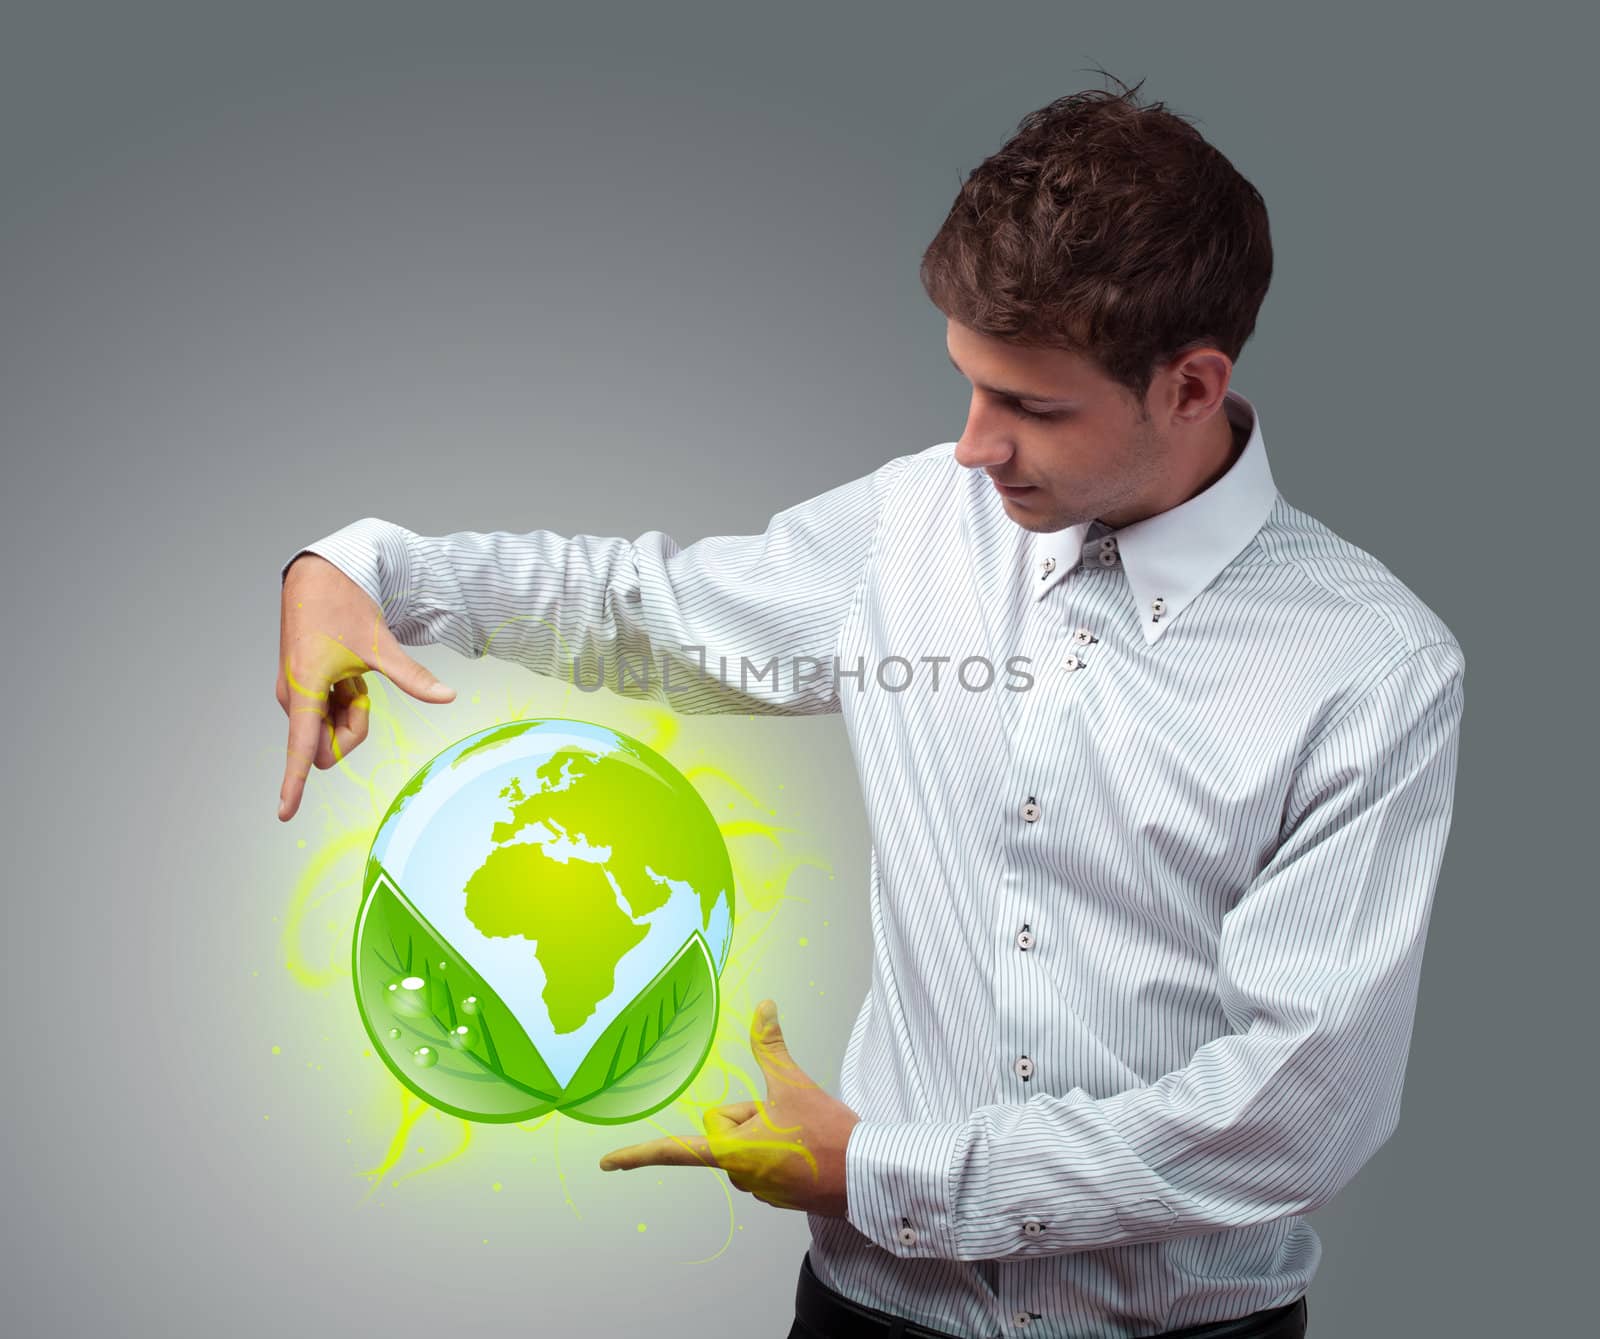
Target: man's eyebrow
1009, 394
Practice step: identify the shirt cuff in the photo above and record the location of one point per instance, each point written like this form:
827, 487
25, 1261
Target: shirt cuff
364, 551
897, 1184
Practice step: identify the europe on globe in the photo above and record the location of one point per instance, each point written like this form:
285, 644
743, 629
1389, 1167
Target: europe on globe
547, 908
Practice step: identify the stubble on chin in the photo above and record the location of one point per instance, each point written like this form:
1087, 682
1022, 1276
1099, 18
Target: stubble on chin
1042, 522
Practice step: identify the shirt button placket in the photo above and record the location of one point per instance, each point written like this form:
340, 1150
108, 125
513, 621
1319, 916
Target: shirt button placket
1018, 1018
1023, 1066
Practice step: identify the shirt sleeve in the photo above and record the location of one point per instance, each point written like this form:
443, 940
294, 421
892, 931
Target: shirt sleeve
738, 623
1318, 968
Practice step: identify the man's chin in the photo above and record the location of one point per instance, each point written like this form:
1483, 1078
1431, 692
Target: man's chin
1033, 518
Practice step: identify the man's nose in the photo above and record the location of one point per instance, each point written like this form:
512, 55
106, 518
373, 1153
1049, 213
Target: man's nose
985, 441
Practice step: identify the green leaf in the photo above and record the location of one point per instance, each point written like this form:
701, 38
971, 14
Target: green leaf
492, 1072
654, 1048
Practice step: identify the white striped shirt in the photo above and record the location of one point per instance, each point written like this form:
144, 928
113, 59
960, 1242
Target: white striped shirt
1148, 894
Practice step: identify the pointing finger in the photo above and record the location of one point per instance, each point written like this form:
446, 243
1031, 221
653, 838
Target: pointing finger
307, 707
694, 1151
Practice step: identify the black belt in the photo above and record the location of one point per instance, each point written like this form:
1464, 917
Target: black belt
830, 1315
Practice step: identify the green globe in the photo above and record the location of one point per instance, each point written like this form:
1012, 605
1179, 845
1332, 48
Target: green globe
546, 910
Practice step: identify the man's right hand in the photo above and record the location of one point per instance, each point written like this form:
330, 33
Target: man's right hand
330, 631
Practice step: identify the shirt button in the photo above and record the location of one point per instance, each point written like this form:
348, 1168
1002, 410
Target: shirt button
1024, 1067
908, 1235
1109, 542
1030, 811
1108, 557
1033, 1227
1024, 938
1083, 636
1072, 663
1021, 1318
1046, 567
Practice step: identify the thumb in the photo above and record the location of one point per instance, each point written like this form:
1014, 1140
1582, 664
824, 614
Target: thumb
770, 1049
407, 674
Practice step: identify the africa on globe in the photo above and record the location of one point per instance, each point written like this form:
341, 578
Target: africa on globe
546, 910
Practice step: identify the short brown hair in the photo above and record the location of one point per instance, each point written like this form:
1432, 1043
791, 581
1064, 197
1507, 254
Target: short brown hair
1107, 228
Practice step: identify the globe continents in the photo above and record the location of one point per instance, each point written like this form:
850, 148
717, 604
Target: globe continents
547, 907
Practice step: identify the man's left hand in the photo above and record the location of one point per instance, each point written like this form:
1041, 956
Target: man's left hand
787, 1151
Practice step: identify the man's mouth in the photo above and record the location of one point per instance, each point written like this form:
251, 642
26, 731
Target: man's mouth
1010, 490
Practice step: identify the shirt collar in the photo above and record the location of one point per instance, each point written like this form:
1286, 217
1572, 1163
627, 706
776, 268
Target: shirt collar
1174, 555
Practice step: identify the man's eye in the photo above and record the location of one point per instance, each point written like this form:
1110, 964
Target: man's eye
1020, 412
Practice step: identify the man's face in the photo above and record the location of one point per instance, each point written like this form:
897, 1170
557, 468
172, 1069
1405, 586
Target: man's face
1092, 454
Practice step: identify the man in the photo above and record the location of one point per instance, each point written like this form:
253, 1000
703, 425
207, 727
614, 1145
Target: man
1158, 772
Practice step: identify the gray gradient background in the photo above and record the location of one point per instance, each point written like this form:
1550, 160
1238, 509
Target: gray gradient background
268, 271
